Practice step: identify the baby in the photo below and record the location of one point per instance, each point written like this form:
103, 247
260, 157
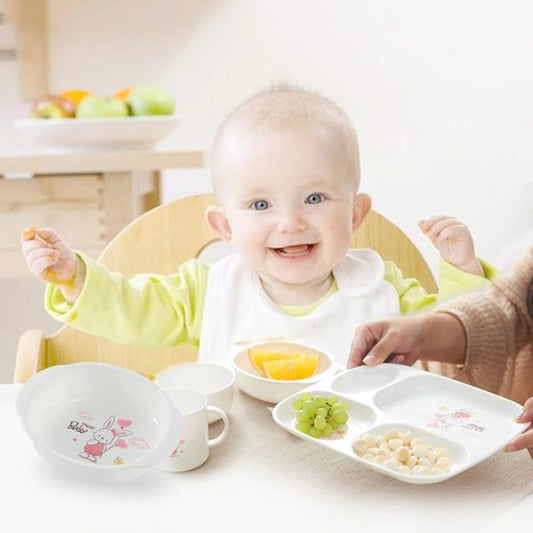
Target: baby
285, 169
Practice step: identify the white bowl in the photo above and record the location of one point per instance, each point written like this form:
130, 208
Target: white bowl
271, 390
214, 380
97, 421
67, 134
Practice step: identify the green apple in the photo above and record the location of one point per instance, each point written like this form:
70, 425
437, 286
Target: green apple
53, 106
97, 107
150, 100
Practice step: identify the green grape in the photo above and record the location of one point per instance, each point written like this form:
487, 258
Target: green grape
319, 416
320, 422
339, 416
304, 427
321, 400
332, 400
333, 423
327, 430
298, 403
314, 432
303, 416
310, 406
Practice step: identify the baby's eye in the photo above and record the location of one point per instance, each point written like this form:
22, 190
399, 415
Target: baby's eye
260, 205
315, 198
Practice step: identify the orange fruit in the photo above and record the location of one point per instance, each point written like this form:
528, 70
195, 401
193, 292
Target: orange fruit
301, 367
75, 95
258, 357
29, 233
122, 94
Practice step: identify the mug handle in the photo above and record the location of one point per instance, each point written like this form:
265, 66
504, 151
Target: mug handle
224, 434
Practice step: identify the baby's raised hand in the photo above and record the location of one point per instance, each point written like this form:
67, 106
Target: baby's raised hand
49, 258
453, 241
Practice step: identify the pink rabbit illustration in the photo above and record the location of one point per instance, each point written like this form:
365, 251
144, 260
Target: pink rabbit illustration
458, 418
103, 439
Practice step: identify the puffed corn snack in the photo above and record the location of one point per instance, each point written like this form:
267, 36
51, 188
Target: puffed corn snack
402, 452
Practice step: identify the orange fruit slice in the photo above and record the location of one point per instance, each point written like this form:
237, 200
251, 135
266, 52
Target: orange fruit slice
258, 357
301, 367
122, 94
75, 95
29, 233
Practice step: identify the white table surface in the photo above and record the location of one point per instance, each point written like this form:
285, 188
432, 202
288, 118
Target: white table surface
260, 479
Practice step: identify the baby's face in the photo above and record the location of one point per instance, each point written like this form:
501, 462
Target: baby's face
288, 201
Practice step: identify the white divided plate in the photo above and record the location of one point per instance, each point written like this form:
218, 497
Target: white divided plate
68, 134
470, 423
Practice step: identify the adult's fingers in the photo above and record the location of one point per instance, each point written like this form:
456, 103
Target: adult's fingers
382, 350
362, 343
523, 441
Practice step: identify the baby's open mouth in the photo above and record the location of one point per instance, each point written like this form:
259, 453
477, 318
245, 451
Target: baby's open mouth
296, 250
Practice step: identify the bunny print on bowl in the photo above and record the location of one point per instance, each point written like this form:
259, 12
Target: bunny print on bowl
103, 440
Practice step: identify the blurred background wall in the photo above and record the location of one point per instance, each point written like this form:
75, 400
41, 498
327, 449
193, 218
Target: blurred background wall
440, 94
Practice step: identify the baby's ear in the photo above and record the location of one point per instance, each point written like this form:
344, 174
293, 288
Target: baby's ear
361, 206
217, 219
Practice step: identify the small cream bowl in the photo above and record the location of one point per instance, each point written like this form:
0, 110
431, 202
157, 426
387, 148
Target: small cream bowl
269, 390
215, 380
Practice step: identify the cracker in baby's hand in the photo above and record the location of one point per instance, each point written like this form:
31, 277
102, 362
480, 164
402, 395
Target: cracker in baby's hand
28, 234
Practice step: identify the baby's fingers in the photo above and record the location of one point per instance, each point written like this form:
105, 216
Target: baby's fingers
438, 227
452, 231
43, 235
39, 260
426, 224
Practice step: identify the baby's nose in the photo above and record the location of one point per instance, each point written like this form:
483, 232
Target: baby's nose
291, 223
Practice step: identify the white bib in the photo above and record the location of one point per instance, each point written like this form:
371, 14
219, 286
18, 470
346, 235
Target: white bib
238, 312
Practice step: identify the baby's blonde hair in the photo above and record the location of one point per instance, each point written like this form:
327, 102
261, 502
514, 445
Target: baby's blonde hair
285, 107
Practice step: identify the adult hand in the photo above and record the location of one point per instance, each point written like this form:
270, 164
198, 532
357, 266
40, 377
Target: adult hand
524, 440
397, 340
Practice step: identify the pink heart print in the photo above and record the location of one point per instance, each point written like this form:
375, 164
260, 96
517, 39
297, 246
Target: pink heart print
124, 423
121, 444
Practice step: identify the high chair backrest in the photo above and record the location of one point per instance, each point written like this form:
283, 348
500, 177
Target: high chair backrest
158, 241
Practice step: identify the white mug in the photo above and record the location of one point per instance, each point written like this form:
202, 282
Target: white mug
215, 380
193, 448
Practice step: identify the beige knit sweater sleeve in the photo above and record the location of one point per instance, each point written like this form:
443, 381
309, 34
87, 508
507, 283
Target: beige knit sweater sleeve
499, 330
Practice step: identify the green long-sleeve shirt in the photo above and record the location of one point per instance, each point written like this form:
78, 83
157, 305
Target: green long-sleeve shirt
165, 310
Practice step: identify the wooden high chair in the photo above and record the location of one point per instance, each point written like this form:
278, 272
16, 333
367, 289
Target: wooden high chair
158, 241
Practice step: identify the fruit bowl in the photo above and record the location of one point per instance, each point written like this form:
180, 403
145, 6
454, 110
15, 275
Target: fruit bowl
250, 380
83, 134
98, 422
